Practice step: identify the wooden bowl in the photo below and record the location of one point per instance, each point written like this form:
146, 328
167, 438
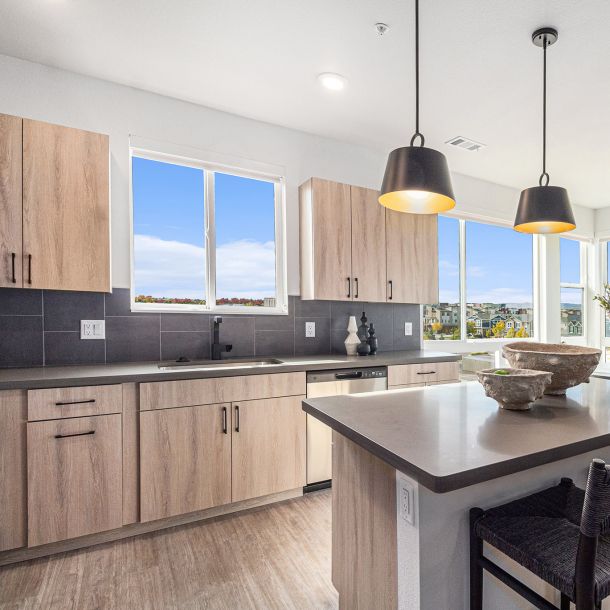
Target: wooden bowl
517, 389
571, 365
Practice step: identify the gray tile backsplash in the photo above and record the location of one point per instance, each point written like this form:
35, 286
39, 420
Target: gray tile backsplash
43, 328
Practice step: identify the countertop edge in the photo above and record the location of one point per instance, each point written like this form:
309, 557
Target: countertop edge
453, 482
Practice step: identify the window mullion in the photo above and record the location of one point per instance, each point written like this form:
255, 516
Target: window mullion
210, 241
463, 314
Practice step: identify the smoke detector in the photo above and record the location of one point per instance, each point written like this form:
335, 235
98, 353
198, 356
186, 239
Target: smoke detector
466, 144
381, 28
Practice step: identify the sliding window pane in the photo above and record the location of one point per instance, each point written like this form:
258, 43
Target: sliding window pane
569, 261
499, 282
442, 320
168, 227
245, 241
571, 312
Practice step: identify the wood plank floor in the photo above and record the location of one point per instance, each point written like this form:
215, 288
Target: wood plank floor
272, 557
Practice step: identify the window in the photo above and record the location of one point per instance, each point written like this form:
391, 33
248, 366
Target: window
571, 274
442, 320
205, 238
486, 283
499, 297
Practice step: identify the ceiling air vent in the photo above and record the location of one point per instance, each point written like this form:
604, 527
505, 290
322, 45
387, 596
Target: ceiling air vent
466, 144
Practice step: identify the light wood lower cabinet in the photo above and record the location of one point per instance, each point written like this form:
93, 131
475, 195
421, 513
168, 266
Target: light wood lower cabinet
268, 446
185, 460
428, 373
13, 483
74, 477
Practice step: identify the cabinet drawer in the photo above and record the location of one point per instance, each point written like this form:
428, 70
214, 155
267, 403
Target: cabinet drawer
186, 393
57, 403
74, 477
407, 374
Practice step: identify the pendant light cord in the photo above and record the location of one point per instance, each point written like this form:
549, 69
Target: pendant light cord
544, 176
417, 133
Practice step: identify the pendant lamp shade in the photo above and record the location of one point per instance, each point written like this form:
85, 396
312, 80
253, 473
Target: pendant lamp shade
417, 181
544, 209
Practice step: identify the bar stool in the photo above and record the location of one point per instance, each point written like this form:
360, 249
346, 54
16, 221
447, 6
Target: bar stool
559, 534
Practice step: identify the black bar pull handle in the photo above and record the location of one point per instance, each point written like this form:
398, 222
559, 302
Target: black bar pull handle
74, 402
224, 420
29, 268
236, 418
349, 288
77, 434
13, 255
426, 372
356, 288
356, 375
391, 291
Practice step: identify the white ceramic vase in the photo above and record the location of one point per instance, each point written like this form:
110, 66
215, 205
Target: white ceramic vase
352, 340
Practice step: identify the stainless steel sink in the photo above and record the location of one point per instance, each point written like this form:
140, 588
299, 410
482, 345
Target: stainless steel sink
215, 365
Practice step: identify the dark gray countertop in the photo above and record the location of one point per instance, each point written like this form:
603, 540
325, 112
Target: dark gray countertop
60, 376
452, 436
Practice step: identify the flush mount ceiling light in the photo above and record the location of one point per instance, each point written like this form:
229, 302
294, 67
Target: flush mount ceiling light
334, 82
544, 208
416, 178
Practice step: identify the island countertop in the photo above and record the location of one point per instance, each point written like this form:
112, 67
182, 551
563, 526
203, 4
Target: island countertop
451, 436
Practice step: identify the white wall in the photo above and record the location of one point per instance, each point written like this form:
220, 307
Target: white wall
38, 92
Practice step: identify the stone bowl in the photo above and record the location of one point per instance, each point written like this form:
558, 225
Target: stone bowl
571, 365
517, 389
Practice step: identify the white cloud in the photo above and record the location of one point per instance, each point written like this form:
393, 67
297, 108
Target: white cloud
476, 271
500, 295
449, 268
165, 268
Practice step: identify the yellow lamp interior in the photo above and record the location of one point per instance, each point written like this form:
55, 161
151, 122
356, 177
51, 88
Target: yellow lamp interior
416, 202
545, 227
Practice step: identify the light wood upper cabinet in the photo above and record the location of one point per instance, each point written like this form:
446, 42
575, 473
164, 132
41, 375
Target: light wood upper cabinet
66, 240
268, 446
326, 240
13, 470
185, 458
353, 249
10, 201
412, 257
368, 246
74, 477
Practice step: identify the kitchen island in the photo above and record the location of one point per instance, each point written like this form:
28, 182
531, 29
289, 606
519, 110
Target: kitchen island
409, 464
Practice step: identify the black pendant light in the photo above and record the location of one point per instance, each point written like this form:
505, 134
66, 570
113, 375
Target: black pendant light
543, 208
416, 178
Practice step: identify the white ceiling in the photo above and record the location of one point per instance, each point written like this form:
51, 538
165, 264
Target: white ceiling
481, 76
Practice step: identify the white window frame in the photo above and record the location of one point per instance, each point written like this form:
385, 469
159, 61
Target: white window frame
604, 342
210, 168
466, 345
583, 285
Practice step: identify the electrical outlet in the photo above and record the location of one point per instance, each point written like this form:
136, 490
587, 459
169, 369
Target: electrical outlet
92, 329
407, 499
310, 329
408, 329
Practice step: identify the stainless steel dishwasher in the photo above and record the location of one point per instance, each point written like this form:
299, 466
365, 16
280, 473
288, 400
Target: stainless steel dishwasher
319, 435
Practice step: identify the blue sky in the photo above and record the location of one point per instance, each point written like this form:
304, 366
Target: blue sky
169, 232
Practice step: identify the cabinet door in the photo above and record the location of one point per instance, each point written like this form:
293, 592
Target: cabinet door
412, 257
13, 471
326, 240
74, 477
10, 201
268, 446
368, 246
185, 460
65, 208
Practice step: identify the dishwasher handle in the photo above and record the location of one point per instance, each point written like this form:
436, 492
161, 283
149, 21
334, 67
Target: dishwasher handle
350, 375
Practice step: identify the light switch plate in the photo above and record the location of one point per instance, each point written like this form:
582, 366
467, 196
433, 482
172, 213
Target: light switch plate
310, 329
92, 329
407, 501
408, 329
